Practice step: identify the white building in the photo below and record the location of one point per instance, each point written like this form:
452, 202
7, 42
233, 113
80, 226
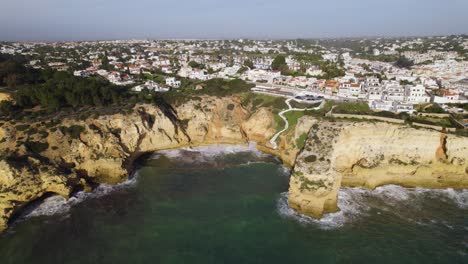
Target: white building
393, 91
263, 75
348, 89
151, 86
381, 105
172, 82
416, 94
402, 107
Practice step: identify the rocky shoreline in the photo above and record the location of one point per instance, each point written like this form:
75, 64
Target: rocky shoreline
74, 155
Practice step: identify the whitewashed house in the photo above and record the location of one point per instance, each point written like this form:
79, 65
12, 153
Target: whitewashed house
172, 82
393, 91
416, 94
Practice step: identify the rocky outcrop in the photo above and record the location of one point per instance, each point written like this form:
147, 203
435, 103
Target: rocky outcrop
103, 149
22, 181
5, 97
370, 155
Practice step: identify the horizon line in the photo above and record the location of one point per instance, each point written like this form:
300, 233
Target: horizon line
238, 38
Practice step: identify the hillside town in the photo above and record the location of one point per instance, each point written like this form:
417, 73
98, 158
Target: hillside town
389, 74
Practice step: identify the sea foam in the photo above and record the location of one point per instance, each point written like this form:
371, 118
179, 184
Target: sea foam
57, 204
357, 203
204, 154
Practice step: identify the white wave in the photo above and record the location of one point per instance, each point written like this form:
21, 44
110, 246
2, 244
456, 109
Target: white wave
57, 204
208, 153
285, 171
355, 203
459, 197
51, 206
350, 209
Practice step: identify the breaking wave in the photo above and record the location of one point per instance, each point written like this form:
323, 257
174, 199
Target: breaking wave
206, 154
358, 203
57, 204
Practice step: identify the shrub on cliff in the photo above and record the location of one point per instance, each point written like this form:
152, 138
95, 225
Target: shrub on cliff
74, 131
311, 158
37, 147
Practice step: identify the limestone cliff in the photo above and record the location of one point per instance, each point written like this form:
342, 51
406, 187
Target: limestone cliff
364, 154
79, 153
63, 156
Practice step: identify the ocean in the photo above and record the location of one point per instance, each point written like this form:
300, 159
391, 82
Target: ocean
228, 204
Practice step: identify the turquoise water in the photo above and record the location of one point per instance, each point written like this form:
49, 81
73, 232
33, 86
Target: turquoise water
215, 207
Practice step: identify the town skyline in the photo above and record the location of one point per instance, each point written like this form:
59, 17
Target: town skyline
52, 20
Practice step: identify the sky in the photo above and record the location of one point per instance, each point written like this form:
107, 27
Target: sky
64, 20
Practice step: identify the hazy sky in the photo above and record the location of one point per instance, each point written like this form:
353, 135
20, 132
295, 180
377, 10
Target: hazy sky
118, 19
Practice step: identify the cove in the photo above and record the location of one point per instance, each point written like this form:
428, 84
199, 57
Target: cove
229, 206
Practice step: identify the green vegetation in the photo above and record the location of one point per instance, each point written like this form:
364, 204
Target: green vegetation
212, 87
37, 147
434, 108
300, 141
404, 62
256, 101
242, 70
22, 127
331, 71
196, 65
310, 158
65, 90
443, 122
249, 63
358, 108
463, 106
6, 107
381, 57
52, 90
74, 131
295, 104
292, 117
279, 64
309, 185
155, 78
405, 82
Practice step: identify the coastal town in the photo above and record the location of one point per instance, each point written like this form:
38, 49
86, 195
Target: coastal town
392, 75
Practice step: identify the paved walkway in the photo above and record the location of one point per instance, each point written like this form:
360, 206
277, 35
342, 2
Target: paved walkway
281, 115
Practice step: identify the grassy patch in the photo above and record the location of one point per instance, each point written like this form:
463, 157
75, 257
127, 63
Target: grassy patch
292, 117
256, 101
443, 122
295, 104
300, 142
212, 87
360, 108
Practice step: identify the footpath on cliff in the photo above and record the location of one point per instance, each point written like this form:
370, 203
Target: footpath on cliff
286, 126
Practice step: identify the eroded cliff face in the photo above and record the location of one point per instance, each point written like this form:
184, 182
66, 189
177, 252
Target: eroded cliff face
369, 155
74, 155
105, 148
23, 181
